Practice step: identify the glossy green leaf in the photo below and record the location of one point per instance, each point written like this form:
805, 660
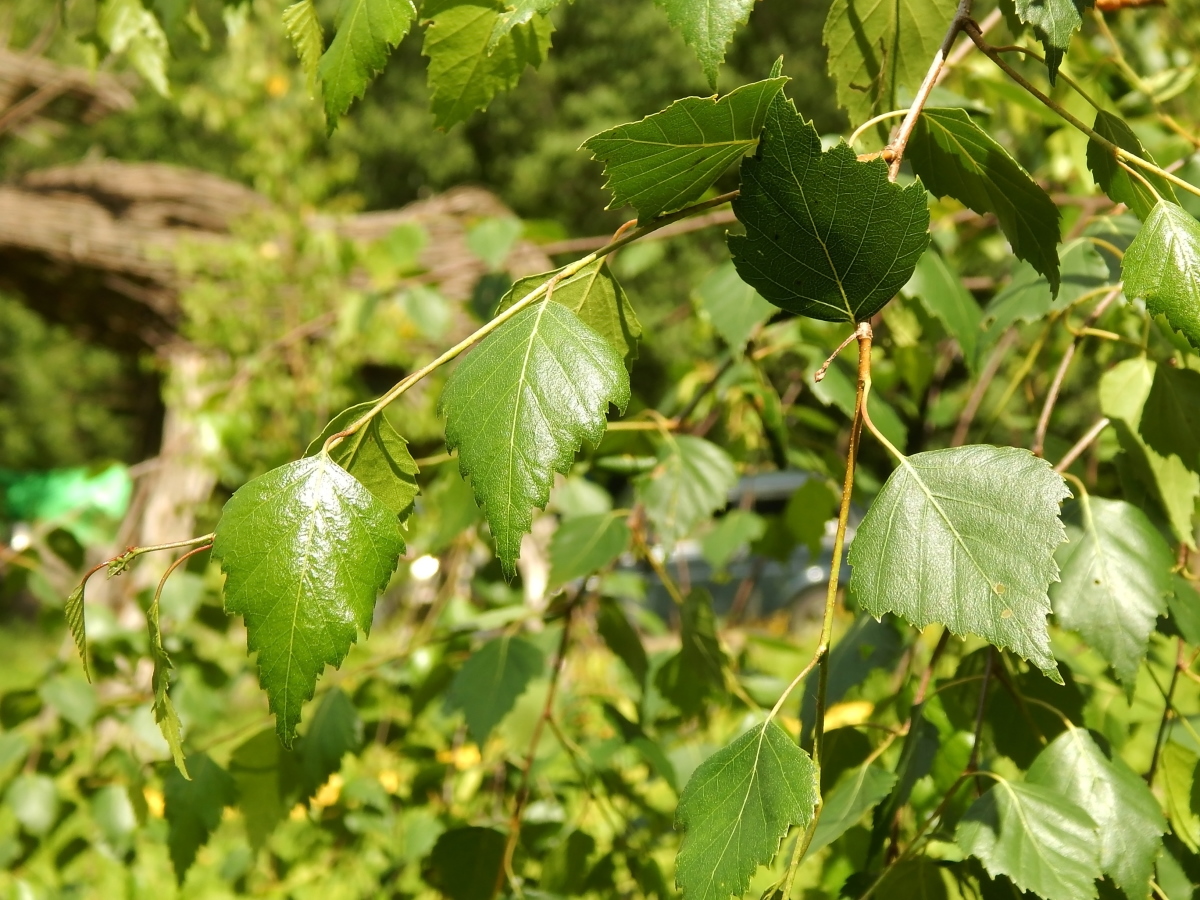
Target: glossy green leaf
1037, 837
1112, 177
857, 792
193, 808
366, 32
304, 607
734, 308
966, 537
491, 680
584, 544
1162, 267
691, 481
517, 12
879, 47
1124, 390
697, 672
303, 28
955, 157
707, 27
671, 158
737, 807
1171, 417
464, 74
597, 298
942, 294
73, 611
1130, 823
1054, 21
376, 456
1116, 577
734, 532
519, 407
826, 236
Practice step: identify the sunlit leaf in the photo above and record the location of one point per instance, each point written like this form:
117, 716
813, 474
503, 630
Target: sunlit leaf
691, 481
366, 32
707, 26
303, 28
1112, 177
1054, 22
1162, 267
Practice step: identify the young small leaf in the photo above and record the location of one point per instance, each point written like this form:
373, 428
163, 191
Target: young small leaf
1171, 417
1113, 179
583, 544
691, 481
76, 622
955, 157
856, 793
966, 537
697, 671
304, 605
160, 682
376, 456
826, 236
733, 307
707, 27
491, 680
1130, 823
519, 407
466, 69
737, 807
366, 32
303, 28
1037, 837
1116, 577
672, 157
942, 294
193, 809
517, 12
1054, 21
1162, 267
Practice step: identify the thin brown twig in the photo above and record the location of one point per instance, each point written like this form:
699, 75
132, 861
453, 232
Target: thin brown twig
1082, 444
979, 391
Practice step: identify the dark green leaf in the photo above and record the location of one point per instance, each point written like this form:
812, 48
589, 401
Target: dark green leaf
697, 672
376, 456
942, 294
1116, 577
584, 544
491, 680
1111, 175
193, 808
304, 607
826, 236
691, 481
955, 157
621, 638
856, 793
671, 158
76, 622
465, 862
1171, 417
1037, 837
519, 407
1130, 824
1162, 267
940, 544
808, 510
1184, 604
707, 26
367, 30
1054, 21
258, 768
877, 47
334, 731
737, 807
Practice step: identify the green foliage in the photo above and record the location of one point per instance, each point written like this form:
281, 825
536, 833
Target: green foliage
737, 808
942, 294
697, 672
671, 158
690, 482
826, 236
1162, 267
491, 680
585, 544
303, 28
1054, 22
366, 32
707, 26
303, 611
857, 792
194, 808
734, 307
1113, 179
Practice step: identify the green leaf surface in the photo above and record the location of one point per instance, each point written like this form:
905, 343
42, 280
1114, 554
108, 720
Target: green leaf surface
622, 639
942, 294
707, 27
517, 12
966, 537
1184, 604
1170, 422
519, 407
491, 680
1116, 577
73, 611
1130, 823
1054, 21
193, 808
584, 544
32, 799
691, 481
302, 25
597, 298
464, 74
672, 157
366, 32
734, 532
1162, 267
1178, 771
857, 792
1037, 837
737, 807
878, 47
259, 769
734, 308
826, 236
808, 510
465, 862
334, 731
697, 672
1112, 177
955, 157
160, 682
305, 549
129, 29
376, 456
